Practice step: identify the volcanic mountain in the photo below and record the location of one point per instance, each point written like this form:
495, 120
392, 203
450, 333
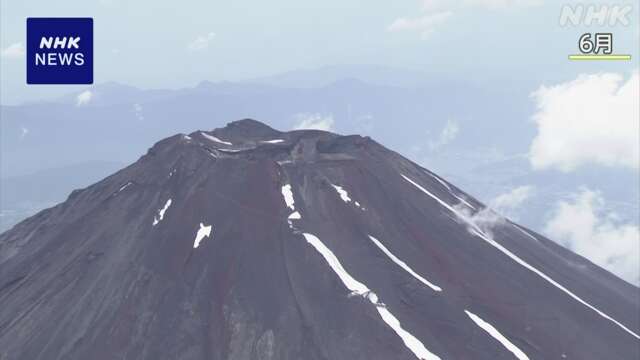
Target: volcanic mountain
249, 243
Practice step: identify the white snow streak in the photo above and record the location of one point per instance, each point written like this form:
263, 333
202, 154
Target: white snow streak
356, 287
431, 195
157, 219
275, 141
525, 232
403, 265
410, 341
474, 229
348, 281
344, 195
129, 183
213, 138
462, 200
232, 150
288, 196
204, 231
550, 280
497, 335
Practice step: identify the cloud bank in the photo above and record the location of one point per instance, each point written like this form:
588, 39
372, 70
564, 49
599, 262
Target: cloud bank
594, 119
582, 225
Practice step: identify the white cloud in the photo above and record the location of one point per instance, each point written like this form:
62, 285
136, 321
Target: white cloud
13, 51
201, 42
494, 215
592, 119
436, 12
137, 110
448, 134
425, 25
439, 5
313, 121
503, 4
512, 199
582, 226
435, 5
485, 219
84, 97
23, 132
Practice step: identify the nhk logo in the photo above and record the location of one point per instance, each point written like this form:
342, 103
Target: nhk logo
588, 15
58, 58
59, 51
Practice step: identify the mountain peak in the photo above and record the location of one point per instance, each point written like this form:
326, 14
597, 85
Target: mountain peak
249, 243
250, 127
246, 130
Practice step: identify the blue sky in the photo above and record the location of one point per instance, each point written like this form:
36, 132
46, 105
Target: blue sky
170, 44
568, 122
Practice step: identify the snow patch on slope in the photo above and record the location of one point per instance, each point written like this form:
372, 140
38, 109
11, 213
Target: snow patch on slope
344, 195
157, 219
275, 141
203, 231
525, 232
129, 183
403, 265
215, 139
356, 287
450, 190
287, 194
476, 230
520, 355
410, 341
352, 284
447, 206
232, 150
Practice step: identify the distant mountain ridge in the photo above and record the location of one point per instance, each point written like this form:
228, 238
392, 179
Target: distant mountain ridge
118, 121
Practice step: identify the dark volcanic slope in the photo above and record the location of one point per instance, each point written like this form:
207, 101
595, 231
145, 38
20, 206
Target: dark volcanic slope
249, 243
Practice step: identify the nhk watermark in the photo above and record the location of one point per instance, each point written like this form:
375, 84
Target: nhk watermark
597, 45
601, 15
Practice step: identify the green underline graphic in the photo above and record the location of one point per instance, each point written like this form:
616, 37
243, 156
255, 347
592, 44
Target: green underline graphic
600, 57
